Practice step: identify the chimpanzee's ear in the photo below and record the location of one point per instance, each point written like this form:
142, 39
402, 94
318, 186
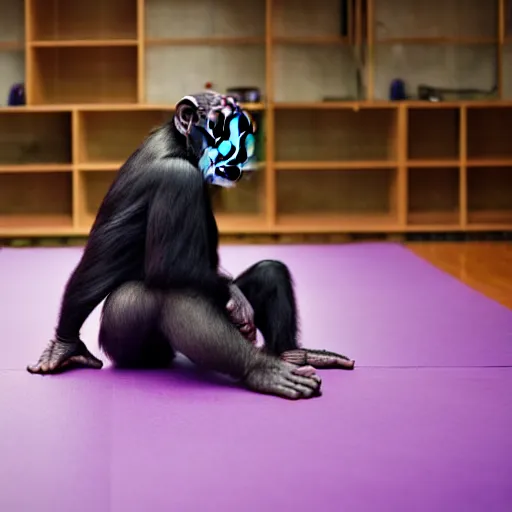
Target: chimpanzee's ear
186, 114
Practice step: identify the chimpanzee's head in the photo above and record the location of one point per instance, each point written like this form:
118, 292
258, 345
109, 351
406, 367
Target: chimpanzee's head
219, 132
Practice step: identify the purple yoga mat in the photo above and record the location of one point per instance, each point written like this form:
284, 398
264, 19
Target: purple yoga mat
390, 439
379, 439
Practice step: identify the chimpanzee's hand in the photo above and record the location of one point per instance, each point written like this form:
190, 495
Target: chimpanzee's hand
275, 377
317, 359
59, 356
241, 313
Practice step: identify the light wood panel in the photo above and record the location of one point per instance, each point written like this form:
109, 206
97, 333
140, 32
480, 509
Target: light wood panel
433, 196
36, 200
334, 154
35, 138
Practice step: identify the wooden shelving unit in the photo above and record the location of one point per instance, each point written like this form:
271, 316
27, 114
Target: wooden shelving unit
334, 153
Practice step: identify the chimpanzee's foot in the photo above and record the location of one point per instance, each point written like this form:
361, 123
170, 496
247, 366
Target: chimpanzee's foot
275, 377
317, 358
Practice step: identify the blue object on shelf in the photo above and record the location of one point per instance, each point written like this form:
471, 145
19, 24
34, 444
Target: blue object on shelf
16, 95
397, 90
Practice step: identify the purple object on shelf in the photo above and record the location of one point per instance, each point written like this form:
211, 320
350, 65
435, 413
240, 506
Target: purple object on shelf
17, 95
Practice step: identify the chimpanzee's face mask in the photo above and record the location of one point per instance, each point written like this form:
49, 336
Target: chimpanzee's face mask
219, 132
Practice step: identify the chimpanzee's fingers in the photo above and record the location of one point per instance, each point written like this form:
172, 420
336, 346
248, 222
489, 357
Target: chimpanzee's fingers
287, 392
318, 358
313, 382
249, 332
44, 364
59, 355
35, 368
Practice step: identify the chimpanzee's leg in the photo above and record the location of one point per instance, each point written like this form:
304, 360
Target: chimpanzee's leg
183, 296
177, 255
196, 327
129, 332
268, 286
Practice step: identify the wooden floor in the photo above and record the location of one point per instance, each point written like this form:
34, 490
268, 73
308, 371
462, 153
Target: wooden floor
485, 266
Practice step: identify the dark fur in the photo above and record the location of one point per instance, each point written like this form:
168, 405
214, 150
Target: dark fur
153, 252
268, 287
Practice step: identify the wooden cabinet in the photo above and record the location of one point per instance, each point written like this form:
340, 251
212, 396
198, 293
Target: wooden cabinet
335, 154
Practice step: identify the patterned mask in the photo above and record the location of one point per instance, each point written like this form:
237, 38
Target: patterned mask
220, 133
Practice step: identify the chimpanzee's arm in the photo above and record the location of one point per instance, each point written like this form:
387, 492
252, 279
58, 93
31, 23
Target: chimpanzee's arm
114, 254
179, 240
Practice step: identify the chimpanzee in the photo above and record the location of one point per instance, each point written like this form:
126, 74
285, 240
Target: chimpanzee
152, 254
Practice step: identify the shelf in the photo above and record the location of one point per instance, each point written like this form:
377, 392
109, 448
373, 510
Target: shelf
447, 66
204, 41
111, 137
101, 166
101, 75
38, 226
12, 24
336, 165
390, 105
348, 197
412, 164
433, 134
438, 40
281, 106
12, 71
438, 105
35, 201
306, 19
35, 109
246, 199
313, 40
111, 107
433, 196
335, 105
489, 132
490, 196
237, 210
490, 163
87, 43
253, 107
35, 138
312, 58
92, 188
427, 19
35, 168
62, 20
12, 48
112, 165
84, 75
340, 135
222, 18
225, 66
337, 223
313, 73
232, 224
449, 44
